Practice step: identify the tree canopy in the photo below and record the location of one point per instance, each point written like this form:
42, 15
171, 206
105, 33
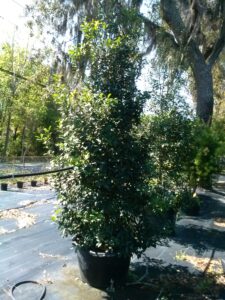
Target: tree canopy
25, 105
192, 32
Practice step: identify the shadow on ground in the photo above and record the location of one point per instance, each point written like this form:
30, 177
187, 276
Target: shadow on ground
200, 239
174, 281
198, 274
170, 282
213, 204
200, 232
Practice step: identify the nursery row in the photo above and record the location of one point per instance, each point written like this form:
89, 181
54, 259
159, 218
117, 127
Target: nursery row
23, 184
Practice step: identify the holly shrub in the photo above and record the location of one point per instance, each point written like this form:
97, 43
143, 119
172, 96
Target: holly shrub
106, 202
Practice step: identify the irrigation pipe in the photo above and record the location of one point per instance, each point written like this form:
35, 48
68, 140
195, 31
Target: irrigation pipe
43, 292
11, 176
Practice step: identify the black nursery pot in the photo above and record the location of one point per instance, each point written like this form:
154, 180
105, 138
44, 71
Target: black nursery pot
100, 269
33, 182
19, 184
4, 186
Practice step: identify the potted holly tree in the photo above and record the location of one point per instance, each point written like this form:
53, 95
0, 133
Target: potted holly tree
106, 203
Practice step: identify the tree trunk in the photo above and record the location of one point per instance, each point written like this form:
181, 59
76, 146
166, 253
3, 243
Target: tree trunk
15, 133
184, 19
5, 150
204, 91
23, 142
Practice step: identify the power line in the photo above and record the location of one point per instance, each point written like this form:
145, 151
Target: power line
21, 77
9, 21
18, 3
36, 173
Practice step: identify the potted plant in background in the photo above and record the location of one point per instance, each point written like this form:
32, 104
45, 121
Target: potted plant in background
19, 184
33, 182
4, 186
106, 203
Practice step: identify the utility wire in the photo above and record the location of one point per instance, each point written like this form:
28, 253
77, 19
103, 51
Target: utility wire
21, 77
8, 20
11, 176
18, 3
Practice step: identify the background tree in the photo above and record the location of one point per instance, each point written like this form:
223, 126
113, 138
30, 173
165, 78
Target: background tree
193, 29
24, 101
199, 42
219, 89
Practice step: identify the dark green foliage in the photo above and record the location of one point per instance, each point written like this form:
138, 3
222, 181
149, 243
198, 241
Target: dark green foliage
209, 148
190, 203
171, 147
185, 152
107, 202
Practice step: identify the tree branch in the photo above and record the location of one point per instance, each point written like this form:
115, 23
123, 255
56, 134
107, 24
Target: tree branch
172, 17
153, 28
208, 52
219, 45
151, 32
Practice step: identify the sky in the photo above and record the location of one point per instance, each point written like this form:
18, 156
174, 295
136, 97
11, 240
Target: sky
12, 22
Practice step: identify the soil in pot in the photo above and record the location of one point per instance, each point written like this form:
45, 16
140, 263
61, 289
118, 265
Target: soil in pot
101, 270
4, 186
19, 184
33, 182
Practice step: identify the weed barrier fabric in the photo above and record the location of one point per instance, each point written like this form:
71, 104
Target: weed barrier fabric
9, 199
39, 253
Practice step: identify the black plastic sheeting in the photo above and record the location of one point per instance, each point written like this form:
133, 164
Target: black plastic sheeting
31, 253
